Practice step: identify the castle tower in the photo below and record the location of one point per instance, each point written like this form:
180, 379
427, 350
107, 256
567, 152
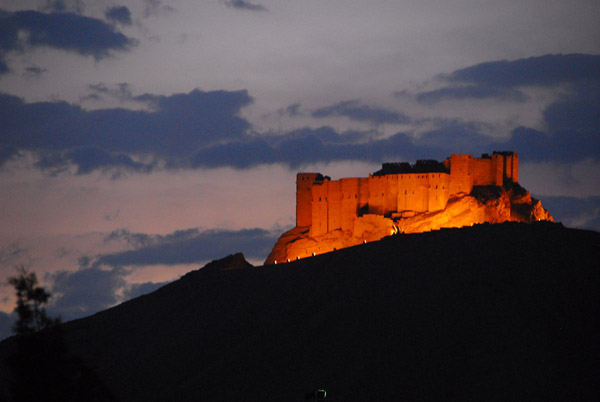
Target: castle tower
515, 167
498, 170
304, 183
510, 165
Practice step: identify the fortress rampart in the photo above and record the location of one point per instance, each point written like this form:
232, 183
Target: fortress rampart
404, 198
397, 191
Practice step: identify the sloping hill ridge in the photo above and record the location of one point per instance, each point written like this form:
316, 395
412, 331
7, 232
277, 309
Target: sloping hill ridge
504, 312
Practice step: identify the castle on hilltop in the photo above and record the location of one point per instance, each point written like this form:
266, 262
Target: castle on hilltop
404, 198
398, 190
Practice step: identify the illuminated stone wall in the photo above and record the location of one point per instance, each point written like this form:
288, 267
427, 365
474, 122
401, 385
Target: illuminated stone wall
326, 205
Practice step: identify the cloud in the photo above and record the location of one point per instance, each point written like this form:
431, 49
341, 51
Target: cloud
85, 291
292, 110
3, 66
79, 293
244, 5
187, 247
502, 80
88, 159
103, 280
470, 92
354, 110
177, 126
67, 31
572, 128
135, 240
34, 72
11, 254
121, 14
7, 153
562, 146
294, 148
575, 212
63, 6
307, 145
304, 147
122, 91
577, 110
204, 129
156, 7
454, 134
545, 70
6, 324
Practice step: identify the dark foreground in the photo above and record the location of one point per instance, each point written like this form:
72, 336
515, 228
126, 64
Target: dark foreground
495, 312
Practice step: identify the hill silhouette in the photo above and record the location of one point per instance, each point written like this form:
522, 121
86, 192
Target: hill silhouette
504, 312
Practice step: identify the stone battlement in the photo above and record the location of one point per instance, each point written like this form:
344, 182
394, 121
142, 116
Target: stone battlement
397, 190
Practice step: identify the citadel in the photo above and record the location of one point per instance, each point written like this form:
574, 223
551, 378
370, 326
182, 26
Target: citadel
397, 190
400, 197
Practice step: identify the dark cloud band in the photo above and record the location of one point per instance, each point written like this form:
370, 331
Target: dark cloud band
244, 5
354, 110
545, 70
120, 14
177, 126
204, 129
72, 32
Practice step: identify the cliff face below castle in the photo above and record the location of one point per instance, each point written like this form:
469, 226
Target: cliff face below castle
491, 204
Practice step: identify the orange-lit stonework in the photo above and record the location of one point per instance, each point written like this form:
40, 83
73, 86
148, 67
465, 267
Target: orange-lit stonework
404, 198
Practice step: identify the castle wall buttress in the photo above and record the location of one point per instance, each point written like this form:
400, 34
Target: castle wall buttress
498, 169
507, 166
493, 170
511, 166
515, 167
438, 191
319, 209
363, 195
349, 205
422, 192
487, 171
460, 174
408, 193
402, 192
391, 196
377, 187
383, 194
334, 205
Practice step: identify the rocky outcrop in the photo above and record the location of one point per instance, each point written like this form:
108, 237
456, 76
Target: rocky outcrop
231, 262
491, 204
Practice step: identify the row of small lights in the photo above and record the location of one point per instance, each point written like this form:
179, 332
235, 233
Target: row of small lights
393, 232
313, 254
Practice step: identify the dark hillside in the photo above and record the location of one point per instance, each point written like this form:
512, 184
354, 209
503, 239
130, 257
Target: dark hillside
504, 312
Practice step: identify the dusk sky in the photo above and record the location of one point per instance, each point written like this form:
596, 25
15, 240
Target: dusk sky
140, 139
